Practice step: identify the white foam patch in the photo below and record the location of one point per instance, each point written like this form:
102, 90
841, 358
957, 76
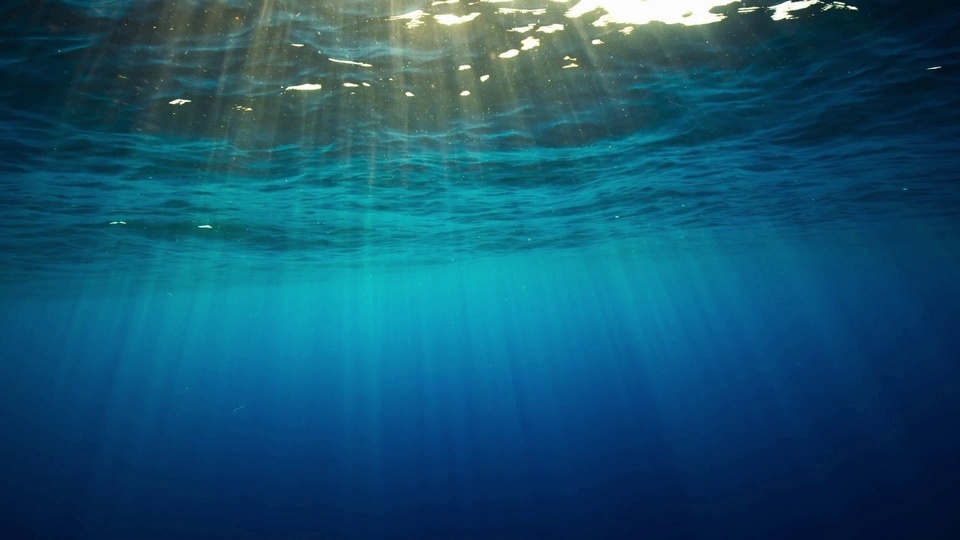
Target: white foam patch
351, 62
449, 19
305, 87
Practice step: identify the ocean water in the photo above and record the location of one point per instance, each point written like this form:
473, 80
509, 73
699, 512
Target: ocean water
479, 269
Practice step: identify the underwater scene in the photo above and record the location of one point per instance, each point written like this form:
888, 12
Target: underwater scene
479, 269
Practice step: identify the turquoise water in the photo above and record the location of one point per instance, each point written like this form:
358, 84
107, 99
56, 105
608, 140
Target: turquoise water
479, 270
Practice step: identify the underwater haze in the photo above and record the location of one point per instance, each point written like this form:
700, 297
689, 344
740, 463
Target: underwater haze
479, 269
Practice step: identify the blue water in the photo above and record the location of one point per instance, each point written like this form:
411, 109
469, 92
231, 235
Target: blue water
480, 270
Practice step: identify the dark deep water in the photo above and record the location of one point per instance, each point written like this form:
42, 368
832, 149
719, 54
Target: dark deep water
514, 269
